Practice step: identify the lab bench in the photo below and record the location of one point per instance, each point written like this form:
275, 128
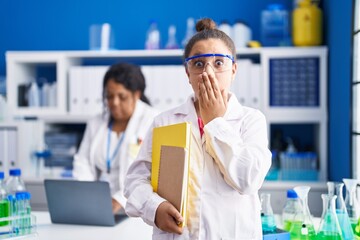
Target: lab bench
277, 189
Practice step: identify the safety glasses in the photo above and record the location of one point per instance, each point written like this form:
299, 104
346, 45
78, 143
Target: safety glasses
219, 62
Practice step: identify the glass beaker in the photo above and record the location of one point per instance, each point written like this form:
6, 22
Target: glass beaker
329, 228
267, 215
302, 227
351, 203
336, 189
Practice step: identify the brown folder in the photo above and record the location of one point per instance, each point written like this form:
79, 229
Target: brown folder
173, 176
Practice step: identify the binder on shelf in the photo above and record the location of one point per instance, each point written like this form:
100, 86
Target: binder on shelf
75, 91
255, 86
241, 84
170, 160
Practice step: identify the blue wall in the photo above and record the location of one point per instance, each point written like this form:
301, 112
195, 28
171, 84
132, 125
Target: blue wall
64, 25
338, 15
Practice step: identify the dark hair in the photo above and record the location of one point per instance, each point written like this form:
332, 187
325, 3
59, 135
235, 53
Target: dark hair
206, 29
128, 75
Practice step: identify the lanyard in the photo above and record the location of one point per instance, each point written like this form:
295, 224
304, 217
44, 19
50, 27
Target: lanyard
108, 159
201, 126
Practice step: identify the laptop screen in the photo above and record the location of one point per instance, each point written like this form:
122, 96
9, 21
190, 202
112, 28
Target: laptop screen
79, 202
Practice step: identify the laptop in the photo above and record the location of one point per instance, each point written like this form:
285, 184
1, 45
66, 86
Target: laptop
80, 202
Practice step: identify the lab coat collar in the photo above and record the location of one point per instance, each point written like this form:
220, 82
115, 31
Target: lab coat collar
139, 108
234, 110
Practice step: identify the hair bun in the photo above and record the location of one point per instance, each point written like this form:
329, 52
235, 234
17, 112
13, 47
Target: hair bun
205, 24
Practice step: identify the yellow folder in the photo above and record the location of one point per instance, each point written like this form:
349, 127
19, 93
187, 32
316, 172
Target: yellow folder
171, 143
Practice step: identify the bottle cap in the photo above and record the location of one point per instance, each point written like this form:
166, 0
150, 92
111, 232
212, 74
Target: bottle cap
2, 175
291, 194
28, 195
15, 172
20, 195
275, 6
224, 22
241, 22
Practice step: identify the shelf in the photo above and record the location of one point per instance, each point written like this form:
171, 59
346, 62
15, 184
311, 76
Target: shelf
66, 118
284, 185
296, 115
254, 63
31, 56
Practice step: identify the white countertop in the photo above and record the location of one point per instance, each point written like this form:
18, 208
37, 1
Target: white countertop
129, 228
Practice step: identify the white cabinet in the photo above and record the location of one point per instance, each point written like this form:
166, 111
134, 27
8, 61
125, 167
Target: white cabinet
289, 85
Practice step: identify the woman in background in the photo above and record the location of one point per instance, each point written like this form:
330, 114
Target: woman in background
111, 140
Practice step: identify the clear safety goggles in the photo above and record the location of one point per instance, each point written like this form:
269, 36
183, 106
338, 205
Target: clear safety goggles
219, 62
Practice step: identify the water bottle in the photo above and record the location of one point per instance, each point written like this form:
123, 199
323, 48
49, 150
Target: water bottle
44, 95
52, 95
14, 183
190, 31
153, 37
226, 28
4, 203
172, 42
275, 26
34, 95
3, 108
292, 206
241, 34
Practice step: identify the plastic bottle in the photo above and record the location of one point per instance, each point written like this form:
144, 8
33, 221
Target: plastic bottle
13, 214
307, 24
52, 95
226, 28
275, 26
27, 207
292, 206
153, 37
290, 147
172, 42
14, 183
3, 108
34, 95
20, 213
4, 203
23, 212
241, 34
44, 95
190, 31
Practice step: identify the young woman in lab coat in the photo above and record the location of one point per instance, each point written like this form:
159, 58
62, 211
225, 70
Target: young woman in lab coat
229, 152
112, 139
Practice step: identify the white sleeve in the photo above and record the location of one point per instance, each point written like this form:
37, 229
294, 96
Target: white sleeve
120, 198
82, 167
242, 157
141, 200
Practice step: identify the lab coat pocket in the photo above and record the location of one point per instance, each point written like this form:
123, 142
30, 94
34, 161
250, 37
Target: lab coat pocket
134, 150
223, 188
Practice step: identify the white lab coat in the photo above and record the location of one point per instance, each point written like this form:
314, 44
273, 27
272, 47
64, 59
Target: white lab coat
227, 168
84, 161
